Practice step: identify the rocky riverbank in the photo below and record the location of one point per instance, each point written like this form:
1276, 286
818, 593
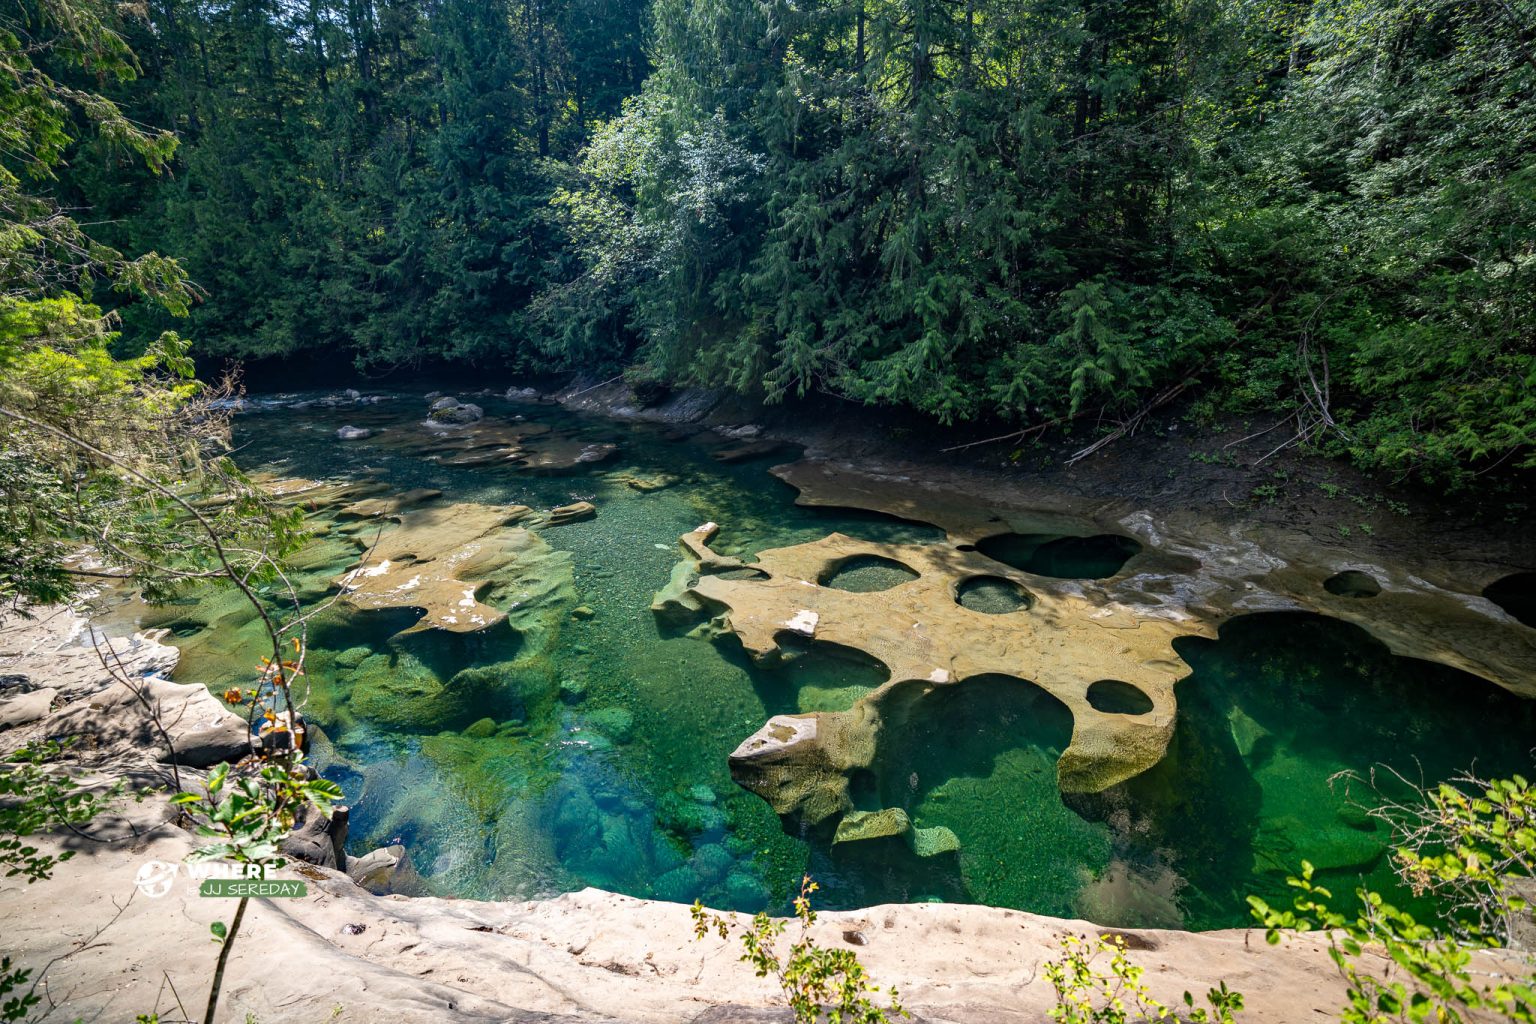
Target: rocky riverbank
120, 930
1214, 475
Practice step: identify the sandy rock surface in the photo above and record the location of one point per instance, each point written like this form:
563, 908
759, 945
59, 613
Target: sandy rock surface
111, 695
588, 956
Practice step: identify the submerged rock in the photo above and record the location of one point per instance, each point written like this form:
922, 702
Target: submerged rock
858, 826
680, 885
745, 892
350, 433
683, 817
1248, 735
403, 693
571, 513
618, 724
743, 451
353, 657
931, 842
645, 482
711, 862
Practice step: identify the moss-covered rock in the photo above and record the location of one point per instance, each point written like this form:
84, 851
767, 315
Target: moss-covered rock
745, 892
486, 772
858, 826
711, 863
931, 842
681, 816
516, 689
618, 724
677, 886
401, 693
353, 657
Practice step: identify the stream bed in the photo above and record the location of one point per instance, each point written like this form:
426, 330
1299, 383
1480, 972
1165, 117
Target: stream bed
610, 768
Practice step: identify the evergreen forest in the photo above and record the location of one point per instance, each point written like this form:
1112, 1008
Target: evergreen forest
1022, 212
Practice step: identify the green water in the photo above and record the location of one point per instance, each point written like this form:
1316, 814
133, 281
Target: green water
619, 779
1094, 557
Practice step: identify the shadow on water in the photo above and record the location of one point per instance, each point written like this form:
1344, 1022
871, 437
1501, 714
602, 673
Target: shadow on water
979, 758
1275, 708
1516, 594
1044, 554
806, 675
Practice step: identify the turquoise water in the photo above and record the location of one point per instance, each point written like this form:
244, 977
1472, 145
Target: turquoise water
601, 759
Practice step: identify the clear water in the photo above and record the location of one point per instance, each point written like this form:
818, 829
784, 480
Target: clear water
621, 780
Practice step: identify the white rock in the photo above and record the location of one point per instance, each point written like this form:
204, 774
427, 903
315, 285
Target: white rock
804, 622
26, 707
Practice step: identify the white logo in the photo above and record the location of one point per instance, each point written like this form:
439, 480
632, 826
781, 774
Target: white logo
155, 878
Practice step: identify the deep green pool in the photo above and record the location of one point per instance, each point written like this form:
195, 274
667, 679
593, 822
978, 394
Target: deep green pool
622, 782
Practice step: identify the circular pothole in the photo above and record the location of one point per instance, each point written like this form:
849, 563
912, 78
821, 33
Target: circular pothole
1352, 583
742, 573
866, 574
1117, 698
1068, 558
992, 595
1516, 594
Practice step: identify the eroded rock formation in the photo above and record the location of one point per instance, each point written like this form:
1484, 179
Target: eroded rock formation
936, 615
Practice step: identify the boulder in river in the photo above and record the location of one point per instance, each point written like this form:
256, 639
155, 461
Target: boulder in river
860, 825
453, 412
377, 870
317, 838
572, 513
438, 558
351, 433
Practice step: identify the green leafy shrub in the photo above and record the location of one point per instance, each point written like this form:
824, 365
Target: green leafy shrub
1088, 993
814, 979
1468, 844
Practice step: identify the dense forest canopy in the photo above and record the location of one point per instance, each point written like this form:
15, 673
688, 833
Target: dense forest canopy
1019, 210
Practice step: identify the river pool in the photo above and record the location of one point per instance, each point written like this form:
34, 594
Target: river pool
613, 773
